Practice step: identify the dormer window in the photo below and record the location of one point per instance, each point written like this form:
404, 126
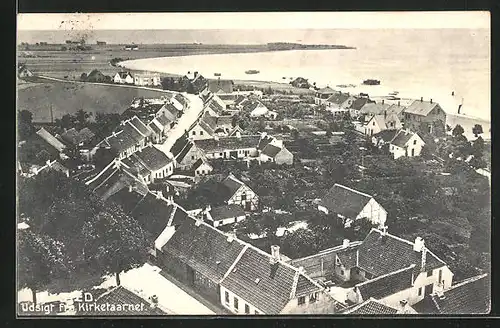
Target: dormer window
302, 300
313, 297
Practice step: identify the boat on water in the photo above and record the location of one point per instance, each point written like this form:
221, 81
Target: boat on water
217, 74
394, 93
252, 71
371, 82
393, 98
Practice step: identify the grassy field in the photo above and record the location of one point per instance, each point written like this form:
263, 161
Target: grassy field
67, 97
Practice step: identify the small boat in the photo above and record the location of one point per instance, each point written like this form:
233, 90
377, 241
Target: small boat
217, 74
342, 86
252, 71
371, 82
393, 98
363, 94
394, 93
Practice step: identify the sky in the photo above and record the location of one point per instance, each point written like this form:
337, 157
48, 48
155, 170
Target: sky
275, 20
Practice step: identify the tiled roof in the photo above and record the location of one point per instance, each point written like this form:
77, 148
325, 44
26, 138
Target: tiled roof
386, 135
166, 118
226, 211
227, 143
198, 163
326, 90
395, 109
382, 255
384, 120
74, 137
338, 98
50, 139
203, 248
271, 150
348, 257
345, 201
152, 158
384, 286
124, 74
422, 108
264, 141
370, 306
135, 165
139, 125
171, 111
471, 296
267, 287
180, 98
232, 184
374, 108
156, 129
225, 86
120, 296
401, 138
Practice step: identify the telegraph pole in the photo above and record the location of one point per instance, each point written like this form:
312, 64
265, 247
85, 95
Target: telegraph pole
51, 115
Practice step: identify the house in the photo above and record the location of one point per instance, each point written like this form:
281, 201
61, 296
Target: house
127, 138
223, 215
470, 296
397, 109
201, 167
121, 301
357, 104
382, 122
373, 306
209, 126
234, 191
350, 205
339, 102
150, 164
185, 152
406, 143
392, 269
372, 108
215, 106
23, 71
272, 115
196, 81
131, 47
256, 108
384, 137
82, 141
147, 79
220, 86
123, 78
323, 94
51, 140
235, 147
275, 154
425, 116
300, 82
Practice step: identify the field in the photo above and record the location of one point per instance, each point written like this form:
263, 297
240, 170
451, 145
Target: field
67, 97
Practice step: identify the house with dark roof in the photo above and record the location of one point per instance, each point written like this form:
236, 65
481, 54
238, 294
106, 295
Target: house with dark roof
201, 167
235, 147
147, 79
51, 140
323, 94
185, 152
220, 86
256, 108
234, 191
384, 137
208, 126
425, 116
349, 205
357, 104
339, 102
375, 307
150, 164
275, 154
123, 78
23, 71
406, 143
470, 296
223, 215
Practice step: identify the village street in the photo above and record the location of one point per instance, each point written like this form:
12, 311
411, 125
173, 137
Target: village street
191, 114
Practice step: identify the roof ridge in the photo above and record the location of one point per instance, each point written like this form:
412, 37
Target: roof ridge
109, 291
411, 266
466, 281
245, 247
328, 250
353, 190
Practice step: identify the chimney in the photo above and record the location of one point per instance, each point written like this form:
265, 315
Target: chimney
384, 231
301, 270
399, 103
159, 194
382, 101
424, 257
385, 112
230, 236
453, 93
418, 244
439, 290
197, 223
345, 243
431, 100
421, 99
275, 254
459, 108
154, 301
196, 74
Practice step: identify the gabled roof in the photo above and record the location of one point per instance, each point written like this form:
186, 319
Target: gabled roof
74, 137
228, 143
205, 249
326, 90
386, 135
422, 108
370, 306
386, 285
264, 140
215, 106
271, 150
225, 86
402, 137
152, 158
380, 255
232, 184
348, 257
373, 108
358, 103
198, 163
395, 109
226, 211
338, 98
471, 296
181, 147
123, 75
119, 296
268, 287
345, 201
181, 99
166, 118
50, 139
384, 120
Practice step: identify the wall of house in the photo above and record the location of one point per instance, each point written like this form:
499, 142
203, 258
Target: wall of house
415, 143
172, 265
372, 128
164, 172
284, 157
191, 157
241, 303
396, 151
323, 304
341, 271
251, 198
374, 212
203, 169
198, 133
229, 220
414, 122
206, 286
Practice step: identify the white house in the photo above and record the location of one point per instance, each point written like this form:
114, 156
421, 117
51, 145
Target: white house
256, 109
150, 164
123, 78
350, 205
235, 191
223, 215
151, 79
201, 167
378, 123
406, 143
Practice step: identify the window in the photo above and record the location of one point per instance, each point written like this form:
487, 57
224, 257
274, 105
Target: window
373, 123
302, 300
201, 133
243, 196
429, 273
313, 297
414, 142
247, 309
192, 157
420, 291
440, 275
221, 154
227, 297
341, 272
257, 312
235, 302
194, 133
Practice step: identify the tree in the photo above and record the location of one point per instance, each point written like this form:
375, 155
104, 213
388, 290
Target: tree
458, 130
300, 243
103, 157
81, 117
478, 147
67, 121
41, 259
83, 77
477, 129
25, 124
